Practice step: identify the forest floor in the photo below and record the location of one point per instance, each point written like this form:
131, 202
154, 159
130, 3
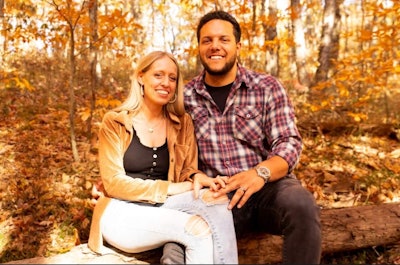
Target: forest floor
45, 195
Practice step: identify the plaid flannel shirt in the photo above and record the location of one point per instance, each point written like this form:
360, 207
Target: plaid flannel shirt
258, 122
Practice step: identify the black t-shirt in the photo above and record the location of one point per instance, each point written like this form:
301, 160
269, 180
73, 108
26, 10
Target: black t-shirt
219, 94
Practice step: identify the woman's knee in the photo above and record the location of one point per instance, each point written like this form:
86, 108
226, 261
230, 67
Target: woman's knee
197, 226
208, 198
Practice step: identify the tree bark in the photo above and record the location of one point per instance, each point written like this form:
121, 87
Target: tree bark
343, 229
271, 33
95, 66
328, 50
3, 40
300, 49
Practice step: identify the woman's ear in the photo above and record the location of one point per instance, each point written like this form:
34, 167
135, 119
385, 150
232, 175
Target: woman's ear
139, 79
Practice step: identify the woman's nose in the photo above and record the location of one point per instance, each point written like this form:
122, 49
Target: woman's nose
165, 81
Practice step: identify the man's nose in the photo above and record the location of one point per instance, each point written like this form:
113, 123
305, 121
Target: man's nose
215, 44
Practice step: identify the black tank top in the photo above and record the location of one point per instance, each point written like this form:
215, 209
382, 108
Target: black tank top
145, 162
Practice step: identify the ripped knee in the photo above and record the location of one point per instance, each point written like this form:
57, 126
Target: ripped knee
197, 226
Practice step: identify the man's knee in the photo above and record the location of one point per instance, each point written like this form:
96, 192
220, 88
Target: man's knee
302, 205
173, 253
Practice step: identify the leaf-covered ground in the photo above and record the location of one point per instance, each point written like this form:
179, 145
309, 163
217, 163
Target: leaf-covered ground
45, 195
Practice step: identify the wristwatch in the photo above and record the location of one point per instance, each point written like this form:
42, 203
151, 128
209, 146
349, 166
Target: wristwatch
264, 173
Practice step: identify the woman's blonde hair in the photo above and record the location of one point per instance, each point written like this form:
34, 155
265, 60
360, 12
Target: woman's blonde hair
135, 99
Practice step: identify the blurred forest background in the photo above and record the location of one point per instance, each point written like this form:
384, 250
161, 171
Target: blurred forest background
64, 63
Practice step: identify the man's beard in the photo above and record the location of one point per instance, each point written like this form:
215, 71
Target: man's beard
227, 67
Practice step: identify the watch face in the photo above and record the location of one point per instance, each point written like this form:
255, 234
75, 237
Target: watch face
264, 173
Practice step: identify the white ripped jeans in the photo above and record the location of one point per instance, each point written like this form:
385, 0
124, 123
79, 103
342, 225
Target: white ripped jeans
139, 227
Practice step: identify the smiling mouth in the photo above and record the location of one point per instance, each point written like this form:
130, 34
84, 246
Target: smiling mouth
216, 57
162, 92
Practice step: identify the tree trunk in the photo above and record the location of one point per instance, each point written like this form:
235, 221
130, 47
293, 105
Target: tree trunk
3, 40
343, 229
272, 47
72, 78
329, 40
300, 43
94, 65
71, 88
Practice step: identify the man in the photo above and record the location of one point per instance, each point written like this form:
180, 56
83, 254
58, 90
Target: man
245, 128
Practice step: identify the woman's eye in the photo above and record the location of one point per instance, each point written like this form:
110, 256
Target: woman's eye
158, 75
173, 79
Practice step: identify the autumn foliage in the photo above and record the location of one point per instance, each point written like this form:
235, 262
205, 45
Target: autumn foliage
63, 64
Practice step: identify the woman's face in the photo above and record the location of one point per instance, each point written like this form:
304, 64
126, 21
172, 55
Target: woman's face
160, 82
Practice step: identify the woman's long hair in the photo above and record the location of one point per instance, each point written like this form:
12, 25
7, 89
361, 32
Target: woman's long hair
135, 99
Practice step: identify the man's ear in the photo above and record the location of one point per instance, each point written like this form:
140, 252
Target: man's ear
238, 47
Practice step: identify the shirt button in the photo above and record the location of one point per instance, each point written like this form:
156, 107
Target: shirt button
247, 115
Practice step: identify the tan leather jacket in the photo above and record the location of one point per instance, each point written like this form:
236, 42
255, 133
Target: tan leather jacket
115, 135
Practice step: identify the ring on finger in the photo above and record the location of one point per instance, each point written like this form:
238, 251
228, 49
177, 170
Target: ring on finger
242, 189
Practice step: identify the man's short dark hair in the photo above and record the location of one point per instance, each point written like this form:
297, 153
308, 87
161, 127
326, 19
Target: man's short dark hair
222, 15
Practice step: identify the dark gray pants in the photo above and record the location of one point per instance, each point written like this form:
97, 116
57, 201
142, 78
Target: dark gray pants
282, 207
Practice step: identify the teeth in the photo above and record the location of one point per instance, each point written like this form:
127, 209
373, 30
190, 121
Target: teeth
216, 57
163, 92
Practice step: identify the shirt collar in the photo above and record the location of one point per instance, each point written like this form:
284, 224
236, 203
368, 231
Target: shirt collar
241, 80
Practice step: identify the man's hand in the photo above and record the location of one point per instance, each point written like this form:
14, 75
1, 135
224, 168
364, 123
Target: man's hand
245, 183
201, 180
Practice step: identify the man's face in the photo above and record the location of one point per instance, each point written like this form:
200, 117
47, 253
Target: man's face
218, 49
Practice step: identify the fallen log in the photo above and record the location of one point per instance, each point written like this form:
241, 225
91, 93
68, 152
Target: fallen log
343, 229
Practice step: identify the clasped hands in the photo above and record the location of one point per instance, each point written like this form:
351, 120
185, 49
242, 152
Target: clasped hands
245, 183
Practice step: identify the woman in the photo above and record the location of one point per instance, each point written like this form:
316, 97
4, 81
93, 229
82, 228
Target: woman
147, 158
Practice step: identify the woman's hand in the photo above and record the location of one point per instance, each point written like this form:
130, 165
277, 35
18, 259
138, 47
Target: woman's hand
97, 193
180, 187
201, 180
